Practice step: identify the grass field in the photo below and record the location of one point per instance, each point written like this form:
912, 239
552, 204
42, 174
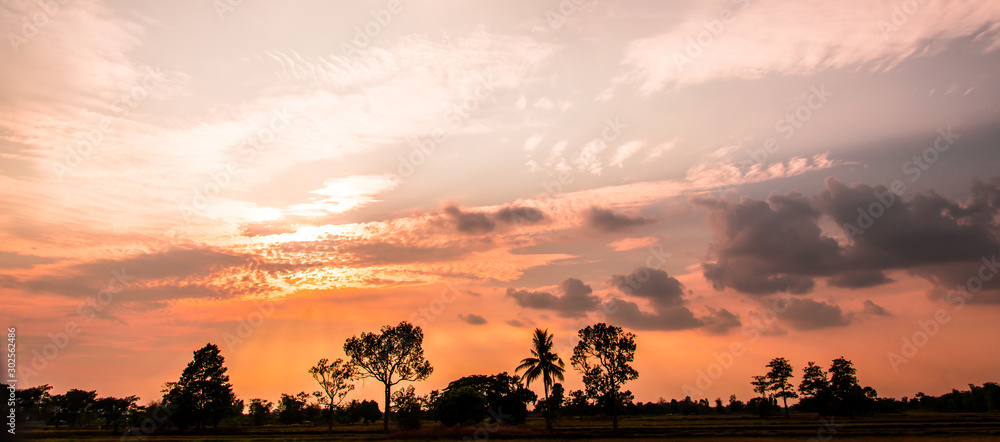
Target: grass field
911, 426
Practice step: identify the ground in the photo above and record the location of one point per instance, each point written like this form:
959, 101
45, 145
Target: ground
910, 426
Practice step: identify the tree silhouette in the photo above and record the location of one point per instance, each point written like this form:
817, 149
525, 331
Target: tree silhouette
259, 411
203, 392
335, 380
603, 356
505, 395
761, 385
814, 382
73, 405
114, 411
394, 355
780, 372
543, 364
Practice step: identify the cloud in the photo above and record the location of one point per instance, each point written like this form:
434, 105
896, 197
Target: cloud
628, 314
174, 273
518, 215
874, 309
607, 221
655, 285
857, 279
719, 322
470, 222
769, 37
807, 314
625, 151
531, 143
766, 247
15, 260
577, 299
625, 244
472, 319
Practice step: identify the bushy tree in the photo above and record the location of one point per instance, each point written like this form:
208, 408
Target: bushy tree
292, 408
407, 407
394, 355
115, 411
506, 397
260, 411
461, 406
603, 356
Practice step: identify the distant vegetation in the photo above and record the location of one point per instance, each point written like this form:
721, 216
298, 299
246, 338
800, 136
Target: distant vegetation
203, 397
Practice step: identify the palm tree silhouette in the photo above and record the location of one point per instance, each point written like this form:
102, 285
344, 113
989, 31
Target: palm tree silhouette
543, 364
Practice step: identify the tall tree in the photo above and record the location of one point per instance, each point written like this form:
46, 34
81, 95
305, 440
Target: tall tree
203, 393
814, 382
335, 380
781, 372
394, 355
844, 386
543, 364
603, 356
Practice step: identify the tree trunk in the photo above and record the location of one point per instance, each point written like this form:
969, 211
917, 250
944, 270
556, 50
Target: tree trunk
786, 407
385, 414
548, 412
331, 414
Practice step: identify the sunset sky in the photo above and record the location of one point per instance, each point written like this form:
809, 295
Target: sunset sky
805, 180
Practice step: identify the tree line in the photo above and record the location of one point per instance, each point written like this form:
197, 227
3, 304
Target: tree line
203, 396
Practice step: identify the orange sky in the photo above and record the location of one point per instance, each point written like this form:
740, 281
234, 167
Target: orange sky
278, 178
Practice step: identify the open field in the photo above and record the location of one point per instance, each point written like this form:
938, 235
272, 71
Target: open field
911, 426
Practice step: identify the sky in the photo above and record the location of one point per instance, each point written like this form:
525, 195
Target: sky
732, 181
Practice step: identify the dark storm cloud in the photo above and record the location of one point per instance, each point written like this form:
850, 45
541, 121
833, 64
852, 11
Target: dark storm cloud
857, 279
577, 299
472, 319
766, 247
607, 221
807, 314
